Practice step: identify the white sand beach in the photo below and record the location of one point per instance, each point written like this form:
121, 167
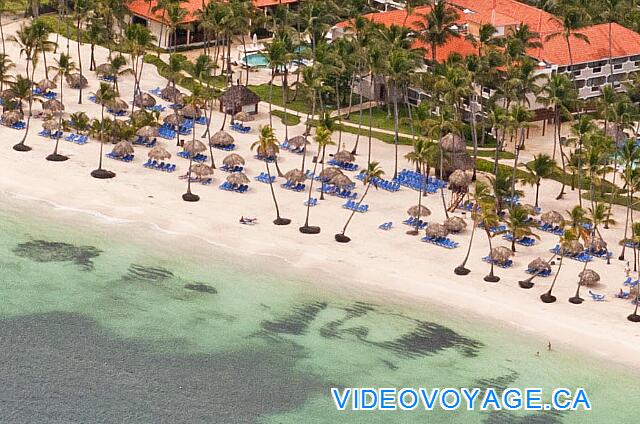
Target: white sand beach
392, 263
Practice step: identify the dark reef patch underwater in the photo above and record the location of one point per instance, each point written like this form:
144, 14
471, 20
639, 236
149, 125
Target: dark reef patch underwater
53, 251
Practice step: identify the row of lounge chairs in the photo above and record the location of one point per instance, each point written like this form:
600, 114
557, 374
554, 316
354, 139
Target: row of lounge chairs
343, 193
269, 159
553, 229
441, 241
197, 158
236, 168
386, 226
543, 273
153, 164
412, 221
285, 146
20, 125
353, 206
156, 108
507, 264
227, 148
236, 126
166, 132
414, 180
49, 134
631, 282
117, 113
125, 158
524, 241
344, 165
264, 178
77, 138
387, 185
231, 187
298, 187
49, 95
467, 206
143, 141
583, 256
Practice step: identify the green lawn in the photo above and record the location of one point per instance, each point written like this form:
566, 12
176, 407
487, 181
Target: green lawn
291, 119
300, 104
380, 119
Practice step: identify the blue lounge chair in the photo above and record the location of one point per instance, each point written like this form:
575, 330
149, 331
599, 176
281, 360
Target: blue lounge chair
386, 226
597, 297
311, 202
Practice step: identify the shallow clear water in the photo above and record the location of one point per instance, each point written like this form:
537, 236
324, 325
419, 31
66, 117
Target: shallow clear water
101, 324
256, 60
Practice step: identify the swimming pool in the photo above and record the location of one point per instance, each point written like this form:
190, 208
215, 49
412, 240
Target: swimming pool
256, 60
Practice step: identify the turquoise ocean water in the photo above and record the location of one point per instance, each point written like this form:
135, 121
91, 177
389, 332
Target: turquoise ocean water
113, 323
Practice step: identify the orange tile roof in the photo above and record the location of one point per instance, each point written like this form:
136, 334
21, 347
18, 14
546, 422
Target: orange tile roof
141, 8
625, 42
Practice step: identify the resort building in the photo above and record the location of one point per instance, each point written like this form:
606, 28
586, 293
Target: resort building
188, 32
590, 60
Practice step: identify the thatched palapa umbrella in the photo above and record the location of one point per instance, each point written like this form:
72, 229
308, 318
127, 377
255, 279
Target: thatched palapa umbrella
552, 217
159, 153
295, 176
539, 265
238, 178
233, 159
344, 156
118, 105
46, 84
77, 81
241, 116
144, 100
531, 210
221, 138
192, 147
180, 99
413, 211
454, 151
104, 69
436, 230
501, 254
147, 131
173, 119
459, 181
191, 111
455, 224
298, 142
11, 117
53, 105
589, 278
51, 124
571, 248
328, 173
201, 170
598, 245
169, 93
341, 180
123, 148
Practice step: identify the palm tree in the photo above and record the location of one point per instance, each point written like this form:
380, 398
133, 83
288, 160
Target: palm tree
138, 39
542, 166
629, 155
489, 219
118, 64
268, 144
568, 236
480, 196
519, 225
81, 9
21, 89
104, 96
572, 19
436, 26
6, 65
95, 34
520, 118
276, 56
371, 175
419, 157
64, 66
323, 138
40, 32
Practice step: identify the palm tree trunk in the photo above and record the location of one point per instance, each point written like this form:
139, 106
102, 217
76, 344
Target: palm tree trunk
562, 158
626, 222
537, 191
271, 96
353, 212
273, 193
490, 250
101, 135
474, 137
315, 168
466, 257
284, 104
419, 198
189, 174
395, 130
515, 163
79, 63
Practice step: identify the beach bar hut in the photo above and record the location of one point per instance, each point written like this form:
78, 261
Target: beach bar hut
239, 98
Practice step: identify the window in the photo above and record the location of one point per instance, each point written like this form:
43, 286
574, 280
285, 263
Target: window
617, 66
